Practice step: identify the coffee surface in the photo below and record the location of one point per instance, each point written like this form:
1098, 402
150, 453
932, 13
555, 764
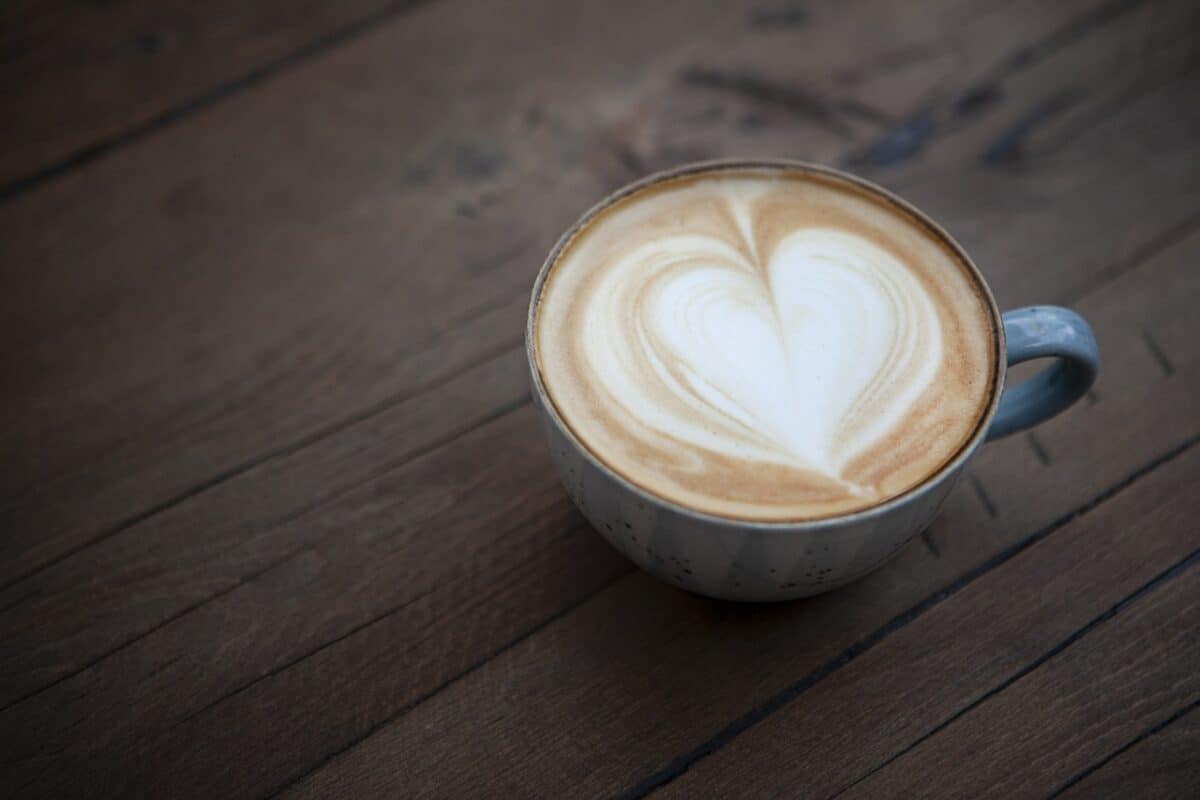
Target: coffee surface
765, 344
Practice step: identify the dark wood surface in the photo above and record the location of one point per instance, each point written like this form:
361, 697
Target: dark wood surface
275, 515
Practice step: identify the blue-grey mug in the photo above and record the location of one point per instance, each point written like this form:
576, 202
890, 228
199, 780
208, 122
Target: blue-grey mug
763, 561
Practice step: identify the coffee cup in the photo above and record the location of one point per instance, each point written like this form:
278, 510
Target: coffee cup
759, 379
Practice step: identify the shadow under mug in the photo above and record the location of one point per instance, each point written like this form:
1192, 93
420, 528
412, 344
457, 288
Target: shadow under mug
763, 561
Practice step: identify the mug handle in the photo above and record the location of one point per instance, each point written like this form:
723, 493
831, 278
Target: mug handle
1045, 332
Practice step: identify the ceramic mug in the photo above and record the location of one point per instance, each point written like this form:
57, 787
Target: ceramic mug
759, 561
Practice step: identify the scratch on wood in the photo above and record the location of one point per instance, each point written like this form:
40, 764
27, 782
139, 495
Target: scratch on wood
149, 43
856, 108
521, 247
1079, 28
1157, 353
418, 172
1009, 146
751, 122
20, 600
976, 99
781, 17
630, 160
899, 143
887, 64
982, 494
705, 116
760, 90
1039, 450
161, 667
477, 161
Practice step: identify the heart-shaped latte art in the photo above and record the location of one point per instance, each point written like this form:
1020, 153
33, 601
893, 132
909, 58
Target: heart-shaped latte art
804, 356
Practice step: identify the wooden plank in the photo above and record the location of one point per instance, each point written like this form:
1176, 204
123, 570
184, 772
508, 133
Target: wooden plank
82, 78
1161, 762
1127, 674
227, 681
677, 669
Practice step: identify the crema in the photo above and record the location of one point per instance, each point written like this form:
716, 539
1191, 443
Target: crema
765, 344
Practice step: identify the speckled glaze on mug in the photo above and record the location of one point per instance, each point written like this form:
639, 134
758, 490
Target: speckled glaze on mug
765, 561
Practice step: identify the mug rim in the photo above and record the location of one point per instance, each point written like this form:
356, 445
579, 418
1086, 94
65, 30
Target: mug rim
927, 484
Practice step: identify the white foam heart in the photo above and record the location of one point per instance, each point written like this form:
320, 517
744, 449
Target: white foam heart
805, 359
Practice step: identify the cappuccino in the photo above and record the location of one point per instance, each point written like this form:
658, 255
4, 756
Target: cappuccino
765, 343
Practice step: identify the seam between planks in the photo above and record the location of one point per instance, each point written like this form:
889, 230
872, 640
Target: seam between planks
1164, 241
142, 130
1141, 737
157, 627
283, 451
321, 762
502, 411
377, 618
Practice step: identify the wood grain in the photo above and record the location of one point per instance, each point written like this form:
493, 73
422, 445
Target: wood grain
60, 625
1012, 463
473, 338
1161, 762
80, 79
273, 474
1100, 692
422, 578
455, 348
966, 652
678, 670
300, 343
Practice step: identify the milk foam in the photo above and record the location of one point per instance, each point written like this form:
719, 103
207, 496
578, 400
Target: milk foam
738, 346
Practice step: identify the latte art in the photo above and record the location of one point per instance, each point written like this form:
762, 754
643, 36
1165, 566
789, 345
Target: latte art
764, 346
803, 360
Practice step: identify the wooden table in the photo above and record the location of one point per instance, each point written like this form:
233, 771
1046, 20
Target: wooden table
277, 518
